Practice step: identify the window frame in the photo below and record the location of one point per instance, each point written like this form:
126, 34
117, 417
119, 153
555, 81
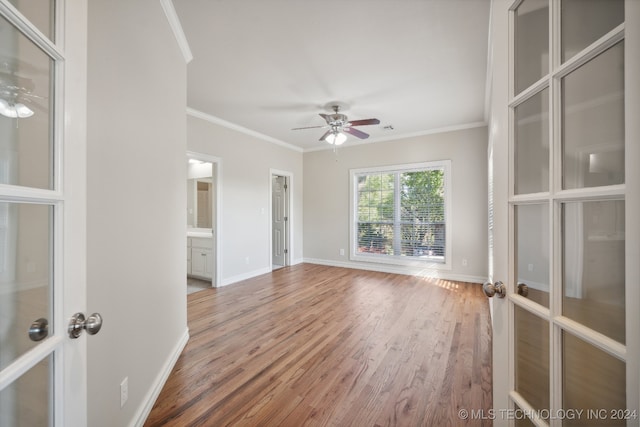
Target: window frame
400, 260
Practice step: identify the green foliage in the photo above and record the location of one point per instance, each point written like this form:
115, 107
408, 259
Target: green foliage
421, 213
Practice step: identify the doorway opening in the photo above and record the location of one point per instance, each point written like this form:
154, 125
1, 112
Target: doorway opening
280, 222
203, 221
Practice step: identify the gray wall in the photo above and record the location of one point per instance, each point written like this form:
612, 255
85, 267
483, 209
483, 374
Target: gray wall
136, 203
245, 179
326, 196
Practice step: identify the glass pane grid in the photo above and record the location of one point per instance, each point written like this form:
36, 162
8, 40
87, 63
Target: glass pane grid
592, 381
26, 260
531, 42
26, 111
375, 238
584, 22
28, 401
402, 213
426, 239
593, 165
592, 119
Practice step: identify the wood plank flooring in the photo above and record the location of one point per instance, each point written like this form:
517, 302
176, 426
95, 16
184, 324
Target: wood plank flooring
312, 345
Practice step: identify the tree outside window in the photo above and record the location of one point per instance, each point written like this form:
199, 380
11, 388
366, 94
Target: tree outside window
401, 213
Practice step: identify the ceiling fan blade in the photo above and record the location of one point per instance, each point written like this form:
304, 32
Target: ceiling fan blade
364, 122
324, 137
326, 117
356, 132
310, 127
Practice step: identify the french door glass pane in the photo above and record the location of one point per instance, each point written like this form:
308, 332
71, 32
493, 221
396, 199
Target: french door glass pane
585, 21
39, 12
593, 381
25, 275
593, 240
532, 250
26, 155
521, 418
27, 402
593, 122
531, 43
532, 358
532, 144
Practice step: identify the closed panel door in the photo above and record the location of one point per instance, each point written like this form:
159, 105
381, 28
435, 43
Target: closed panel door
571, 342
278, 218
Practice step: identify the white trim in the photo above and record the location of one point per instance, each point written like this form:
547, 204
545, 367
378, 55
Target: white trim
489, 71
31, 32
221, 122
428, 264
218, 121
178, 32
407, 271
632, 200
217, 231
245, 276
435, 131
152, 395
26, 361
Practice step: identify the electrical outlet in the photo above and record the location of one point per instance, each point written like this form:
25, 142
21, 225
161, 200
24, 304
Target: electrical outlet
530, 267
341, 252
124, 391
246, 260
464, 262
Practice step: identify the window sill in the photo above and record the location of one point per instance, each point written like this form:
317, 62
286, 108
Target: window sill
427, 262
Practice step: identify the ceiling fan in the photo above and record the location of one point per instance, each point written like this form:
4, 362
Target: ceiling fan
16, 96
339, 125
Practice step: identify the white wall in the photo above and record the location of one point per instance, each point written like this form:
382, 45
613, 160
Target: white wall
136, 203
246, 162
326, 201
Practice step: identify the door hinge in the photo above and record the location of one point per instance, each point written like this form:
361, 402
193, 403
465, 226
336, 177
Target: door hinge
286, 251
286, 218
286, 186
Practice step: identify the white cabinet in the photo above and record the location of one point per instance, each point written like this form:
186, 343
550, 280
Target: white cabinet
199, 257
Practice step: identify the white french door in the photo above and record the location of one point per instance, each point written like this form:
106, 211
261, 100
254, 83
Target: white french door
42, 212
566, 340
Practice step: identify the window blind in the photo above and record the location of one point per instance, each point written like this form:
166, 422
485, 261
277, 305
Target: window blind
402, 213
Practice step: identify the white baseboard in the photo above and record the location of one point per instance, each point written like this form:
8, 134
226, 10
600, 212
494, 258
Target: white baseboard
245, 276
150, 399
397, 269
251, 274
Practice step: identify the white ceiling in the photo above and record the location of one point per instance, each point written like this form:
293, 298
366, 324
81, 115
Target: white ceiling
272, 65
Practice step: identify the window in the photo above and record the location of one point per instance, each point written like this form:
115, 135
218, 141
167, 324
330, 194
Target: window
400, 214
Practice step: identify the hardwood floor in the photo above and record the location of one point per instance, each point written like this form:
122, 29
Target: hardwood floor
325, 346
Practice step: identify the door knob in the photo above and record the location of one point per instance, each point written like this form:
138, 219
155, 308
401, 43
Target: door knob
78, 323
491, 289
39, 329
523, 289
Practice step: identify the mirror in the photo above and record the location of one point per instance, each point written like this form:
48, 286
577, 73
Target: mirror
199, 194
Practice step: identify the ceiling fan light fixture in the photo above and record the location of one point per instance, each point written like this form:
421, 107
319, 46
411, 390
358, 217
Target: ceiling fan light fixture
14, 111
336, 138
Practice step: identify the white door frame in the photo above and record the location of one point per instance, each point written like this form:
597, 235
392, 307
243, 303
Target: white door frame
217, 209
288, 214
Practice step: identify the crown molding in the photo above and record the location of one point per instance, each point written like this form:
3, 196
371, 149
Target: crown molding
174, 23
218, 121
464, 126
